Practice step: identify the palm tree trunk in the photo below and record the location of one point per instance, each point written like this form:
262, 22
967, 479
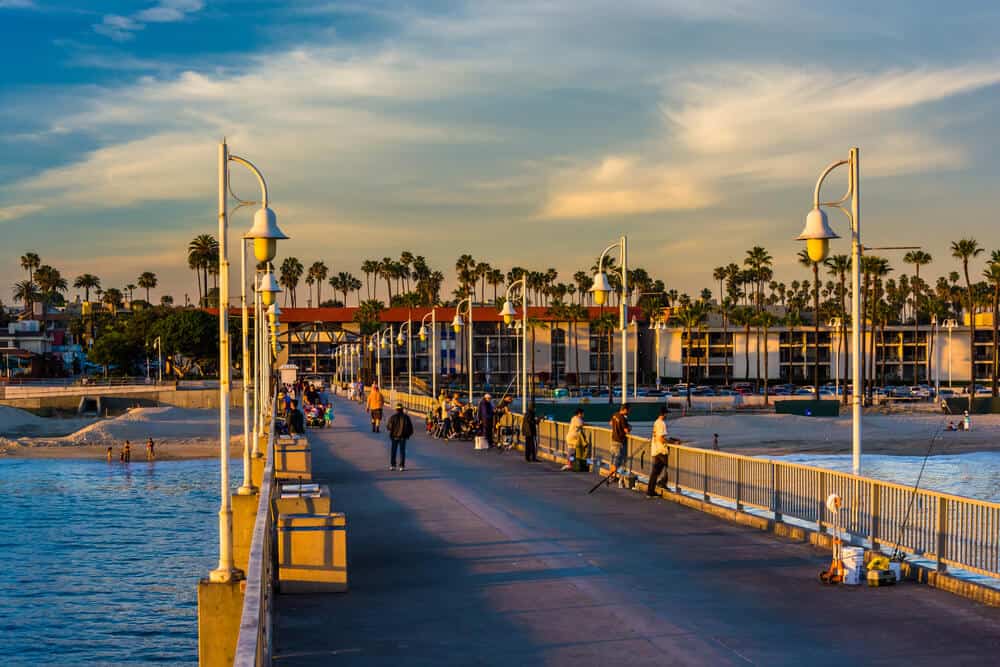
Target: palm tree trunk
746, 352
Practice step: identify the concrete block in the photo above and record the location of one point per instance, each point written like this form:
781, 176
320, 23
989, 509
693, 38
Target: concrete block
219, 609
293, 460
304, 504
312, 553
244, 515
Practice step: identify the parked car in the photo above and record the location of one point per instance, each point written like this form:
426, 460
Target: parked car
802, 391
900, 392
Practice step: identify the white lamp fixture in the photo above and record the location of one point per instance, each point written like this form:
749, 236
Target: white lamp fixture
601, 288
265, 234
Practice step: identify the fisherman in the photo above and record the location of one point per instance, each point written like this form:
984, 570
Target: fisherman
620, 428
659, 451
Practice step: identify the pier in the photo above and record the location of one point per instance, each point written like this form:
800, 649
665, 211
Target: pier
480, 558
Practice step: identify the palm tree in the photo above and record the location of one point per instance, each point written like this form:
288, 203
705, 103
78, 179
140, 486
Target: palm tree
369, 267
385, 271
805, 261
319, 272
25, 292
690, 317
30, 261
495, 278
130, 288
289, 275
992, 275
766, 320
917, 258
465, 267
964, 250
113, 297
147, 281
605, 324
87, 282
310, 280
203, 251
838, 266
406, 260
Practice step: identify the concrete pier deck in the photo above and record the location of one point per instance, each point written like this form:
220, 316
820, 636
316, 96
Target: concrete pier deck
479, 558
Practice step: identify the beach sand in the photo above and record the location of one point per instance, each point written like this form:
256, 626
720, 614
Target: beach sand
907, 434
179, 433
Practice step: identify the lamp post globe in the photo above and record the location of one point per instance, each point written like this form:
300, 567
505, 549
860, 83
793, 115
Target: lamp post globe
817, 234
400, 339
601, 288
457, 323
265, 234
422, 333
508, 312
371, 346
269, 287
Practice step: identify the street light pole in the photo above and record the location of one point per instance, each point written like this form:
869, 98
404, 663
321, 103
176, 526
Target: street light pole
509, 313
949, 324
817, 235
457, 325
432, 350
602, 288
635, 360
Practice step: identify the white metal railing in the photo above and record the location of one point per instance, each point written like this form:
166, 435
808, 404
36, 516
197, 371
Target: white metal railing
948, 529
253, 645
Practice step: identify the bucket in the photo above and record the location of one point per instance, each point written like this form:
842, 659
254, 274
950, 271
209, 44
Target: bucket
897, 569
854, 565
481, 442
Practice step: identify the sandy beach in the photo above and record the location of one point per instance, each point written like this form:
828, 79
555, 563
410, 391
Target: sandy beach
179, 433
907, 434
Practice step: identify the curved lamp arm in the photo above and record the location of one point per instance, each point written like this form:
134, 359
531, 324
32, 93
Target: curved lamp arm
260, 177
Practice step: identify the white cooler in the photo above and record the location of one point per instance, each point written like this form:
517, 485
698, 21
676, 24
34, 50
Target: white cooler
854, 565
481, 442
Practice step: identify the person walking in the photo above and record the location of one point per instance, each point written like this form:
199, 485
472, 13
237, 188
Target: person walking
576, 449
296, 420
400, 430
485, 415
127, 452
529, 429
150, 449
375, 403
620, 428
660, 452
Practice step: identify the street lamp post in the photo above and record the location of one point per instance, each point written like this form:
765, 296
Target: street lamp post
431, 350
159, 360
508, 312
933, 346
600, 291
817, 235
408, 339
518, 347
456, 324
226, 571
635, 359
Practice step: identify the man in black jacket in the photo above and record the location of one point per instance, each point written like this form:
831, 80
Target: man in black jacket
400, 430
296, 420
529, 429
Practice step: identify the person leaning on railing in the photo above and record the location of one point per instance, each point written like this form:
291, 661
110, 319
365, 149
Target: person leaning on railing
620, 429
659, 450
576, 449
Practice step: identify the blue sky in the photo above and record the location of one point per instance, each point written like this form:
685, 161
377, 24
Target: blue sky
522, 132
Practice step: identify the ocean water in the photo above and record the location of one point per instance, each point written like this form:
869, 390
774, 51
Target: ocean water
101, 560
974, 475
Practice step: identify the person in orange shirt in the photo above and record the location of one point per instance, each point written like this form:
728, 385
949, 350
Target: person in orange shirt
375, 403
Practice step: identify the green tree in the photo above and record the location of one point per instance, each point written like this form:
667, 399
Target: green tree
965, 250
288, 276
113, 348
203, 253
147, 281
87, 282
190, 337
319, 272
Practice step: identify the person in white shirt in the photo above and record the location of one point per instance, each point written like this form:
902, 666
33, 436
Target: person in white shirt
576, 448
659, 450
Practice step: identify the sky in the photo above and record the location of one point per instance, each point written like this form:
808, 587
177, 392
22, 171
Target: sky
524, 132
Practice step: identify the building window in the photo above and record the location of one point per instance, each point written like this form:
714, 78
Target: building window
601, 359
558, 354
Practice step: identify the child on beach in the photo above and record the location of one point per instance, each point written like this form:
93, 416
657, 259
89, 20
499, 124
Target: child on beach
150, 450
109, 453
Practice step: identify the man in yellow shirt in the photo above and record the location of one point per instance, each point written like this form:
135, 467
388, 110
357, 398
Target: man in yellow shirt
375, 403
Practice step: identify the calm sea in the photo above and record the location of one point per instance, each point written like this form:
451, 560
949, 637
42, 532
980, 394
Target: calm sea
101, 560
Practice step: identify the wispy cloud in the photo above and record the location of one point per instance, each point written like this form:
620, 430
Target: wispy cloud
18, 4
18, 211
123, 28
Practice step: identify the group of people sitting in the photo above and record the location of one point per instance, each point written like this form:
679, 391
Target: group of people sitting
451, 419
314, 412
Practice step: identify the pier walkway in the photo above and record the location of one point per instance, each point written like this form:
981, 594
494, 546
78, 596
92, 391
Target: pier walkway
479, 558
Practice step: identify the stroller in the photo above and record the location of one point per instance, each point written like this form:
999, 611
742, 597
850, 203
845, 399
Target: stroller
504, 438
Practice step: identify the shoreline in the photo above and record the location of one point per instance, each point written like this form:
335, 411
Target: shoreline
166, 450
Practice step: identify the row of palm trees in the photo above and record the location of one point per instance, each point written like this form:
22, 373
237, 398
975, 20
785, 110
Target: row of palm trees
749, 298
45, 284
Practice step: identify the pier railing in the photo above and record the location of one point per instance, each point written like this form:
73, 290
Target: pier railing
947, 529
253, 645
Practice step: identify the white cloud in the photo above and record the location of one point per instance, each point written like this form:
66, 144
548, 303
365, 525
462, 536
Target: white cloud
123, 28
17, 211
18, 4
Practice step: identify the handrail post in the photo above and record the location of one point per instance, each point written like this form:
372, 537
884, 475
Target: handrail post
821, 503
776, 492
875, 500
704, 476
739, 485
942, 532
